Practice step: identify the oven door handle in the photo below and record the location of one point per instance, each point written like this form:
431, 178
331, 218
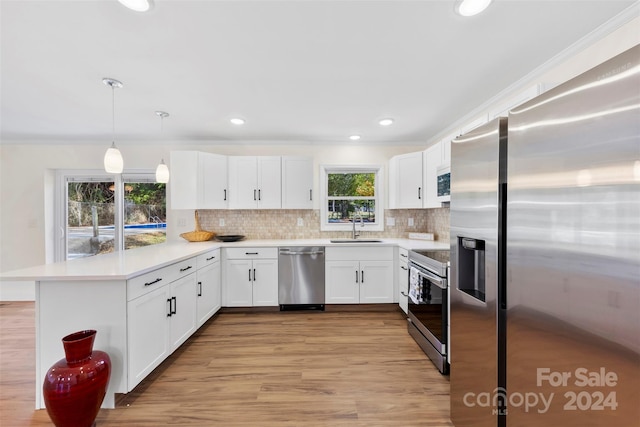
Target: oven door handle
436, 280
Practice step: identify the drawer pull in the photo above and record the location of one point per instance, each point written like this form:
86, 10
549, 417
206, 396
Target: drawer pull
251, 253
169, 301
175, 305
210, 258
185, 269
155, 281
199, 289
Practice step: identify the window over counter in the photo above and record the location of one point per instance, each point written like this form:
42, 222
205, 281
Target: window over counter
351, 193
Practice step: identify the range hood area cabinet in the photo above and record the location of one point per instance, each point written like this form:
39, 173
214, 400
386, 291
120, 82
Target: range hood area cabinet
198, 180
255, 182
413, 177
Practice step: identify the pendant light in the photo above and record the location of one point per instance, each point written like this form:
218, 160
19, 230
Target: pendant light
113, 162
162, 171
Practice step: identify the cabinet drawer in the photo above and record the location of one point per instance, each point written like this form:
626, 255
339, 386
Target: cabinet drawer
154, 279
403, 255
208, 258
359, 253
251, 253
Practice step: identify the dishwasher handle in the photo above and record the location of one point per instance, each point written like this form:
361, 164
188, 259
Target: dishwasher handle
287, 252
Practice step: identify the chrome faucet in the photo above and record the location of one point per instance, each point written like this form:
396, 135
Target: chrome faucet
353, 221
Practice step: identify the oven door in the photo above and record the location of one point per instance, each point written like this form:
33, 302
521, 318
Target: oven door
428, 306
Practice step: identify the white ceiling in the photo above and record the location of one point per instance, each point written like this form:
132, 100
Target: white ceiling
298, 70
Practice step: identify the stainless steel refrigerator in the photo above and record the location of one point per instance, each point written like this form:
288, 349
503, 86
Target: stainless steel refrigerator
545, 258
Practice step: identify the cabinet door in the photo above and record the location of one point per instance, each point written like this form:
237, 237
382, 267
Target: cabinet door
376, 282
265, 282
409, 191
238, 283
184, 182
243, 182
297, 182
148, 333
213, 181
433, 159
208, 292
269, 183
183, 310
342, 282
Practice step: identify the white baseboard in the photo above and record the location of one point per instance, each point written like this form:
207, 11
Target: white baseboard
17, 291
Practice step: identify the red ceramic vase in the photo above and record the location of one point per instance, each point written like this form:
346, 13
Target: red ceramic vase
75, 386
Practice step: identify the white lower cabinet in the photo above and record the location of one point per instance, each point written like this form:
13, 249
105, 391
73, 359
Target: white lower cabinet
361, 275
159, 322
251, 277
208, 292
148, 335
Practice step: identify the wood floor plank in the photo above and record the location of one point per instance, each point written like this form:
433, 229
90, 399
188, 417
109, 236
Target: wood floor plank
338, 368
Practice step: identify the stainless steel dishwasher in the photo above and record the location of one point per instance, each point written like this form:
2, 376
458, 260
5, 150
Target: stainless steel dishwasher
301, 278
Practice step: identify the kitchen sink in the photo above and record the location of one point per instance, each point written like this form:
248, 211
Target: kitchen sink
356, 241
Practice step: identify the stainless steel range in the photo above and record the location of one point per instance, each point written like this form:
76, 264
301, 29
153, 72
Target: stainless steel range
429, 304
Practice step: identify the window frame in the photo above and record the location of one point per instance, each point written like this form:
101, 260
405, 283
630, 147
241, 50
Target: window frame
64, 176
325, 170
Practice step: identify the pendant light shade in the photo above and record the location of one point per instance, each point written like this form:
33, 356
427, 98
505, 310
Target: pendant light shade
113, 162
162, 171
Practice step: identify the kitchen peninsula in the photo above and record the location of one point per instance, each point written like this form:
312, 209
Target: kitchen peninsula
144, 303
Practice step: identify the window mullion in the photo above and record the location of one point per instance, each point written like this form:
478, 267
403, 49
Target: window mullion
118, 235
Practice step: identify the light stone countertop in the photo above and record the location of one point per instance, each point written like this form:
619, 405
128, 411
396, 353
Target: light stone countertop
124, 265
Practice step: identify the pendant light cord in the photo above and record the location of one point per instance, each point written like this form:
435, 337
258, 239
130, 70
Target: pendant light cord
113, 114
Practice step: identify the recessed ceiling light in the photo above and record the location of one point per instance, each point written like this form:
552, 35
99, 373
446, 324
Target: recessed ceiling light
138, 5
237, 121
471, 7
354, 137
385, 122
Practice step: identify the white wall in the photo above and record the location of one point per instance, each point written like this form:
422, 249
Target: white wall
25, 206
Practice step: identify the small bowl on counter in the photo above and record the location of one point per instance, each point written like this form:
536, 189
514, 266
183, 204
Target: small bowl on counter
229, 237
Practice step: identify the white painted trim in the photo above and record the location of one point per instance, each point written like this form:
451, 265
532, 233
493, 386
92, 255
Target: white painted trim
379, 170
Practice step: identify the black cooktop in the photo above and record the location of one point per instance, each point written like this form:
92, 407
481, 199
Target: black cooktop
441, 256
436, 261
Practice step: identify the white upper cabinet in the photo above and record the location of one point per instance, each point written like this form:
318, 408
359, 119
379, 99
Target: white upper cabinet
432, 160
255, 182
297, 182
198, 180
406, 181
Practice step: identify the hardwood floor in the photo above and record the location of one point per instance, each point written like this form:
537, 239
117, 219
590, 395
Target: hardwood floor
340, 367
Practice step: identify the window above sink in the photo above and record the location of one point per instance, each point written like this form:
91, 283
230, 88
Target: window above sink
351, 193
